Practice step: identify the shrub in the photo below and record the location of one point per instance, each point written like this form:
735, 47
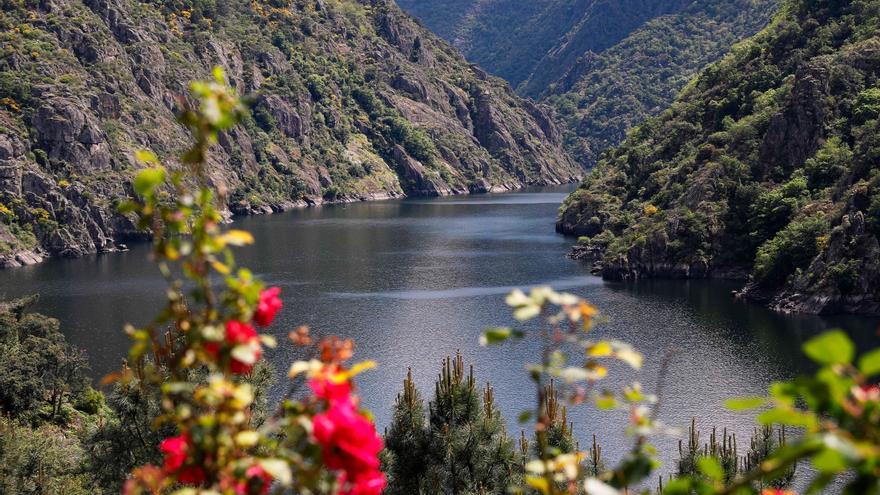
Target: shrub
830, 163
791, 249
90, 401
867, 106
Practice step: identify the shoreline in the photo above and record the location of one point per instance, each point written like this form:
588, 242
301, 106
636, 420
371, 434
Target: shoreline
35, 256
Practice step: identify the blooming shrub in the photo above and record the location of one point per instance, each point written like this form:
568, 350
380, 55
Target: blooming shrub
201, 348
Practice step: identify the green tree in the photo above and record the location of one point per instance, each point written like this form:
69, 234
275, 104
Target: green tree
37, 365
404, 441
461, 447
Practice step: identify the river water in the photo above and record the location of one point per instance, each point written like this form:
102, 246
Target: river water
414, 281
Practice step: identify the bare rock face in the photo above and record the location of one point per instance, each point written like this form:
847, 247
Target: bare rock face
795, 134
349, 102
286, 118
67, 133
12, 162
416, 177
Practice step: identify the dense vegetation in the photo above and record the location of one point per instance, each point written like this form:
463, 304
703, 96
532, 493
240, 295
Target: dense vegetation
531, 44
603, 95
57, 433
602, 66
459, 445
766, 164
352, 100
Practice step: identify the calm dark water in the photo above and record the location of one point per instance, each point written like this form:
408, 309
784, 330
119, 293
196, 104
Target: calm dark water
413, 281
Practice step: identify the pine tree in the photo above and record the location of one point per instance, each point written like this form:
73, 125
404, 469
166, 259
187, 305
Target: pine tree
558, 434
595, 464
462, 448
765, 441
554, 436
725, 452
405, 441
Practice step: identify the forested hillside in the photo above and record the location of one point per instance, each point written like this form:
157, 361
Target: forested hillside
531, 44
350, 100
603, 66
766, 165
603, 95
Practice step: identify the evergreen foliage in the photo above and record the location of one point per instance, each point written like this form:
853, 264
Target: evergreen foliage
42, 377
765, 442
460, 446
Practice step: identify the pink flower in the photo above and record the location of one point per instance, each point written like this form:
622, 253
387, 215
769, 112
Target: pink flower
192, 475
175, 449
367, 483
866, 393
238, 333
258, 482
268, 306
348, 440
329, 390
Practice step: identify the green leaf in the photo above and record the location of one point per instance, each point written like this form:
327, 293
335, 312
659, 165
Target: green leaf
538, 483
128, 207
786, 417
219, 74
148, 179
237, 237
679, 486
525, 416
527, 312
146, 156
744, 403
830, 348
711, 468
869, 364
495, 335
606, 401
829, 461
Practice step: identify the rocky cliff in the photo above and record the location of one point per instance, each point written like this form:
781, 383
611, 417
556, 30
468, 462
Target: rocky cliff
767, 165
350, 100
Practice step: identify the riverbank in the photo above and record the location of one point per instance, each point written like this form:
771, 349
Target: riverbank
120, 240
788, 301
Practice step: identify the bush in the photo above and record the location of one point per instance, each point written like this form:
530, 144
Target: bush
791, 249
829, 164
867, 106
90, 401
